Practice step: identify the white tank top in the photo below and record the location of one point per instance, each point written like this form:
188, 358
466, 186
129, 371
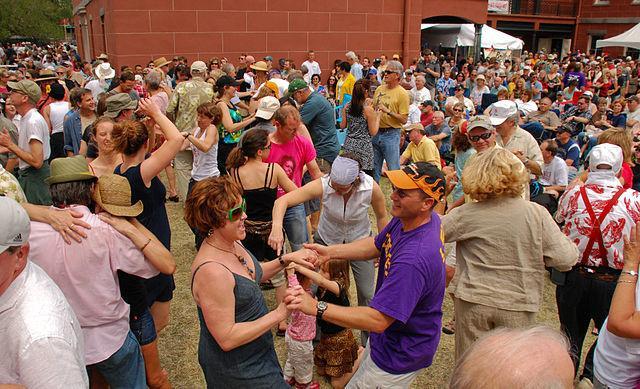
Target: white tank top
205, 165
343, 224
57, 111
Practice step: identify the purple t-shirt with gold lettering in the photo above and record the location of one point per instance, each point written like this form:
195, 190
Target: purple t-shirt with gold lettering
410, 288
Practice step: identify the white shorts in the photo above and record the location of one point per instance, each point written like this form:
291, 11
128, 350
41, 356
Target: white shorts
369, 376
299, 363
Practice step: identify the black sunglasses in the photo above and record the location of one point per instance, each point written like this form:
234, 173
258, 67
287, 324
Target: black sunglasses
475, 138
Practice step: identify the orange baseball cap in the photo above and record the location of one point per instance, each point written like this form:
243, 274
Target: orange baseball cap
420, 175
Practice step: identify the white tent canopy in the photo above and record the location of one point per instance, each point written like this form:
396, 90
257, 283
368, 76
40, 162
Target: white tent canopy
630, 38
452, 35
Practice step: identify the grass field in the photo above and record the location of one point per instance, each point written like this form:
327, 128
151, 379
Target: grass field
179, 341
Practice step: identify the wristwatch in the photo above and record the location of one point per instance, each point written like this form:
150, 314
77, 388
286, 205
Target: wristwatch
321, 307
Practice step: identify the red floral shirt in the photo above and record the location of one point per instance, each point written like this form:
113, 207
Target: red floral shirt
618, 223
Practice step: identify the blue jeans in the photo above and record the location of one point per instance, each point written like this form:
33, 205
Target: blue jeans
125, 368
386, 146
535, 129
295, 226
143, 328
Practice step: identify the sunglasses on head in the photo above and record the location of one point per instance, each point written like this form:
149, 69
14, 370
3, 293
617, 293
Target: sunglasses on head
235, 213
484, 136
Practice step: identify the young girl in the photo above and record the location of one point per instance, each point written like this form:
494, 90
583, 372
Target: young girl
298, 370
337, 352
204, 139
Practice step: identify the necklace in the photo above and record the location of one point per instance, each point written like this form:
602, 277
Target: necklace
241, 259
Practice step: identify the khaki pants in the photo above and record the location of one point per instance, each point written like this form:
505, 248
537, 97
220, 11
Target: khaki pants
473, 320
183, 164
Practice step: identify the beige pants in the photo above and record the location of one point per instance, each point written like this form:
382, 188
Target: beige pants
473, 320
183, 164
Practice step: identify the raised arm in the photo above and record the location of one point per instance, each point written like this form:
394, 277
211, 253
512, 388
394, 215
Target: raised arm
227, 122
162, 157
310, 191
209, 140
373, 119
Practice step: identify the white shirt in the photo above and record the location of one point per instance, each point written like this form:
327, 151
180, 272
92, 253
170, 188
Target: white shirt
555, 173
42, 344
526, 108
33, 126
205, 165
420, 95
248, 78
414, 115
313, 67
343, 224
97, 87
57, 112
617, 360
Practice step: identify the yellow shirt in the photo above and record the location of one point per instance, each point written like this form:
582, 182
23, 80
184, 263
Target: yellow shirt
346, 88
425, 151
396, 99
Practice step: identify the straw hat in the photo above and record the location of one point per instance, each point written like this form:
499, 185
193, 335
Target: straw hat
113, 194
45, 75
160, 62
69, 169
260, 65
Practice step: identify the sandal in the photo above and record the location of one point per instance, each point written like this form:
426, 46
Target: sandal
449, 328
175, 198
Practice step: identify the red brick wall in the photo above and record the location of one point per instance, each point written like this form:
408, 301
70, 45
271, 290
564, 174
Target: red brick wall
615, 9
140, 30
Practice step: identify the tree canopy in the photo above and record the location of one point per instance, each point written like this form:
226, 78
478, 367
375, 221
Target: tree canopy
33, 18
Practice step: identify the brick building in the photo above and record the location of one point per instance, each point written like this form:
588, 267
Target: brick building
557, 25
603, 19
136, 31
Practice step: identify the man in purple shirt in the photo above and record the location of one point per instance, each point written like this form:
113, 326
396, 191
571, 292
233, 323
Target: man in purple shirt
405, 314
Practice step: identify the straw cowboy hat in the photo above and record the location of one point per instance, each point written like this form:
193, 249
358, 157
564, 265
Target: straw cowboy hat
113, 194
104, 71
160, 62
69, 169
260, 65
46, 75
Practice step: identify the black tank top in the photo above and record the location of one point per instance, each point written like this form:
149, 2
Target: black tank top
259, 201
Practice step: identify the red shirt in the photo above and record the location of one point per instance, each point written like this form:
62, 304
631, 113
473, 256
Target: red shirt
426, 119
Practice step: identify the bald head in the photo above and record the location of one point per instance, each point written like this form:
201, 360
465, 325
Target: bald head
527, 358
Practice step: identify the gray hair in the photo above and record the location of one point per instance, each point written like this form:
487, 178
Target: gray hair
395, 66
153, 80
351, 55
228, 68
421, 77
294, 74
519, 354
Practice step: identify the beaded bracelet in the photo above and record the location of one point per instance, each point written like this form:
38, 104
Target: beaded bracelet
626, 282
630, 272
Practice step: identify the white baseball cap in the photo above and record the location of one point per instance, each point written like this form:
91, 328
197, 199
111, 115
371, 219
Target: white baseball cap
603, 155
501, 111
15, 227
267, 106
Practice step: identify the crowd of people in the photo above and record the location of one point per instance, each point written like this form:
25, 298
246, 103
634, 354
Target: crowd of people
503, 173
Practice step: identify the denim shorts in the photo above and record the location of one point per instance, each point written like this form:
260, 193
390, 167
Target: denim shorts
144, 328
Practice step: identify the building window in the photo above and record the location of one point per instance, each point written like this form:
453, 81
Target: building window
592, 44
602, 2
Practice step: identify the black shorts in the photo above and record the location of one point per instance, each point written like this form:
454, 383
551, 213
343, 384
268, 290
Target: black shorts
159, 288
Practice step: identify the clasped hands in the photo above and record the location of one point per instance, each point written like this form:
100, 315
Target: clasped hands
305, 261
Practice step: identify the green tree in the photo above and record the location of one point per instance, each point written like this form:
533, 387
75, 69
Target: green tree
33, 18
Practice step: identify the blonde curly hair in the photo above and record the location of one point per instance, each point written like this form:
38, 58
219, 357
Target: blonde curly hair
494, 173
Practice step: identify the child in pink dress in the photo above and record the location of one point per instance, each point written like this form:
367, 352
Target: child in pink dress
298, 370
